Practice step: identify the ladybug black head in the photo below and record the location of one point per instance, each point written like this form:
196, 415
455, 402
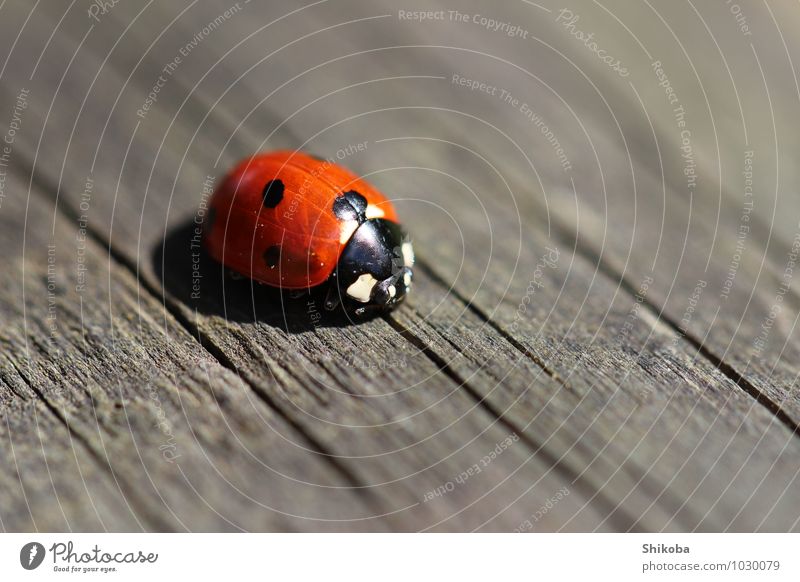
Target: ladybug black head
374, 270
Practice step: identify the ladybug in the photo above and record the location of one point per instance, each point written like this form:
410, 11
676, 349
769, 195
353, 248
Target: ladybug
293, 221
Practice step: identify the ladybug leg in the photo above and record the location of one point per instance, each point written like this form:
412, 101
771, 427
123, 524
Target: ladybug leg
332, 298
298, 293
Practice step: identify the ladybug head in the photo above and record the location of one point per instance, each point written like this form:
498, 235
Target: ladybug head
374, 270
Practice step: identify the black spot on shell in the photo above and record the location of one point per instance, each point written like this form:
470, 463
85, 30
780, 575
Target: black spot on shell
272, 256
350, 206
273, 193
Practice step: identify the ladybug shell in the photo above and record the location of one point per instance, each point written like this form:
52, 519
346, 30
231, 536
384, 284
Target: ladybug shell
272, 218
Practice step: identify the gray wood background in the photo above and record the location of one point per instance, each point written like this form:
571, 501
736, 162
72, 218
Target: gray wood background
602, 333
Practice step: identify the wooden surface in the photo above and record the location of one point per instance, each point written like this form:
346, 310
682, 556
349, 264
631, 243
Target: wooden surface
592, 343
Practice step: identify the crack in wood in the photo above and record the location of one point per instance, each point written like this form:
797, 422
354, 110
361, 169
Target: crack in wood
128, 494
660, 314
44, 185
614, 514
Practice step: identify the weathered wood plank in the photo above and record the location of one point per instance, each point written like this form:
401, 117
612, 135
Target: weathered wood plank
403, 445
698, 446
735, 86
49, 481
630, 248
115, 418
719, 237
590, 327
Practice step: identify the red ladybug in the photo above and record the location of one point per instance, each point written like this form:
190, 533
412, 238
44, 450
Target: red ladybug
293, 221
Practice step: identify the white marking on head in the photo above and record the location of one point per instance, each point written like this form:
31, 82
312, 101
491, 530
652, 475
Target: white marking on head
407, 279
408, 254
348, 228
392, 290
362, 288
374, 211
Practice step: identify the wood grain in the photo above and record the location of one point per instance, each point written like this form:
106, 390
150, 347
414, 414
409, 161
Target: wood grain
649, 424
115, 418
290, 370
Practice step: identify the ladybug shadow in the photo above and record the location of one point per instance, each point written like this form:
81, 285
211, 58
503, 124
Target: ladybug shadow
189, 275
